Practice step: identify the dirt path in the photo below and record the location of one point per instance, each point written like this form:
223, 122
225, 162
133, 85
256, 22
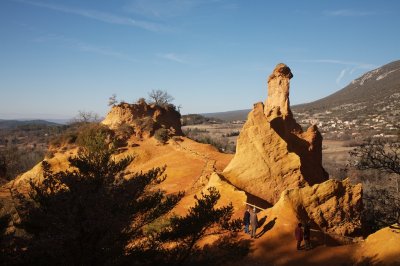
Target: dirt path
208, 168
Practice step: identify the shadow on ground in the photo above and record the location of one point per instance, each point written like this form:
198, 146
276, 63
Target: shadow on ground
266, 227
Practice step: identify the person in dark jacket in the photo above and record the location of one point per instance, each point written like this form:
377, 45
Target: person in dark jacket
307, 235
253, 222
246, 220
298, 233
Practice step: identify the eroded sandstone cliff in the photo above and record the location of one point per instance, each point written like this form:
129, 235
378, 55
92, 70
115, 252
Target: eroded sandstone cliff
334, 206
273, 152
144, 118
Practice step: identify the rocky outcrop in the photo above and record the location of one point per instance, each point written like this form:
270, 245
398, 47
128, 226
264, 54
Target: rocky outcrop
273, 152
334, 206
381, 247
145, 119
229, 194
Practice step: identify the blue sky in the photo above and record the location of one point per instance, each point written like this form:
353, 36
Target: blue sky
58, 57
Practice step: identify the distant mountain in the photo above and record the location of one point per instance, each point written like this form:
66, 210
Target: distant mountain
229, 115
368, 106
5, 124
62, 121
381, 84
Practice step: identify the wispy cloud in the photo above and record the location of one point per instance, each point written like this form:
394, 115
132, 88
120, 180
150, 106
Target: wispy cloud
173, 57
161, 8
350, 68
100, 16
341, 75
358, 65
84, 47
164, 9
348, 13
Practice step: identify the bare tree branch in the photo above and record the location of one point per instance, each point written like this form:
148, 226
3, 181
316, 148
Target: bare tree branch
160, 97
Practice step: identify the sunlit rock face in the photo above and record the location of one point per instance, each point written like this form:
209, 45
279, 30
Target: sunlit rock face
273, 152
278, 91
145, 119
334, 206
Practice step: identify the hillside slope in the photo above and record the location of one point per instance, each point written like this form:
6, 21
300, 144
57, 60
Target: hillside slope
377, 85
4, 124
368, 106
229, 115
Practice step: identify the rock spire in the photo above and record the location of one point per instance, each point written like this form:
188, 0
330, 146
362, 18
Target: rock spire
273, 152
278, 91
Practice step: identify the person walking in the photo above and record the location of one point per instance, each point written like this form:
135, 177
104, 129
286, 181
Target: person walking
246, 220
253, 222
307, 235
298, 233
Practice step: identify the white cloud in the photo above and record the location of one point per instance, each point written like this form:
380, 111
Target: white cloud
84, 47
351, 66
362, 66
357, 65
341, 75
173, 57
163, 9
348, 13
101, 16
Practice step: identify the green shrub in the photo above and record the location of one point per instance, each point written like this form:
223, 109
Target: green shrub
87, 217
95, 137
124, 131
15, 160
161, 135
145, 123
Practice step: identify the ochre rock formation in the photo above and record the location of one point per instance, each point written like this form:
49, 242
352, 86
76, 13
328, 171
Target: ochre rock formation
381, 247
273, 153
333, 206
145, 119
278, 90
229, 194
